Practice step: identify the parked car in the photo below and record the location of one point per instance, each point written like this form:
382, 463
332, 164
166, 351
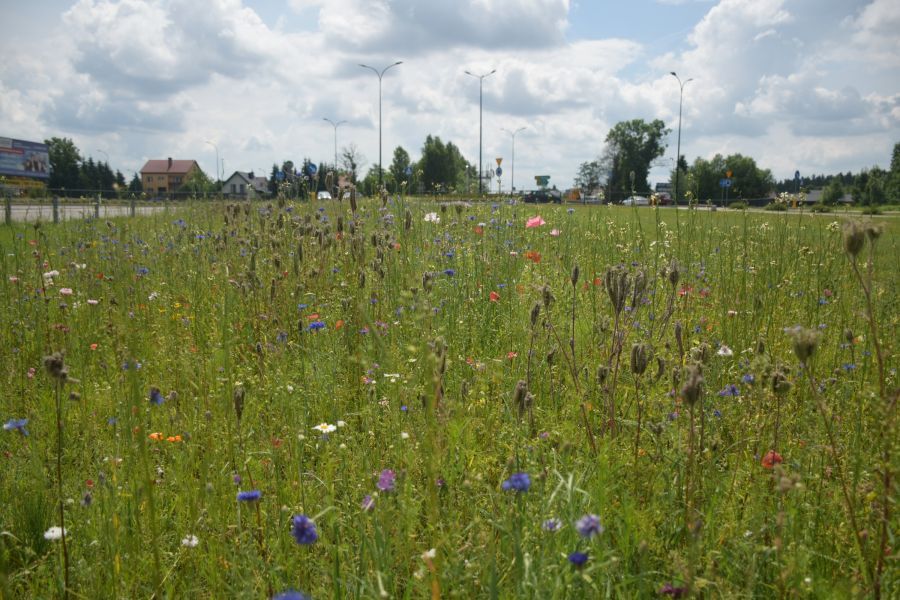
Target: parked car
542, 197
323, 196
636, 201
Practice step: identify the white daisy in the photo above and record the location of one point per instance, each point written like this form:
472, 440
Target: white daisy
54, 533
325, 427
190, 541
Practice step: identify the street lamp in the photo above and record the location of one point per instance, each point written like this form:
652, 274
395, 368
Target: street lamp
480, 107
217, 160
678, 151
106, 155
380, 74
512, 185
335, 125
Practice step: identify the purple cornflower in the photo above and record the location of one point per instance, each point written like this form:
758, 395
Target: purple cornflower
578, 559
386, 480
449, 272
589, 526
517, 482
249, 496
551, 525
304, 530
368, 503
156, 396
290, 595
748, 378
316, 325
17, 425
730, 390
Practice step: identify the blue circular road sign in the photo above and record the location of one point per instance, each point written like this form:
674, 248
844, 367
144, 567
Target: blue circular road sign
499, 171
311, 169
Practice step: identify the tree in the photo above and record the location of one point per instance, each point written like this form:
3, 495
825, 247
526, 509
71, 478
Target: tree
589, 176
833, 193
352, 160
893, 182
135, 187
631, 146
273, 179
64, 161
197, 184
748, 180
398, 167
443, 167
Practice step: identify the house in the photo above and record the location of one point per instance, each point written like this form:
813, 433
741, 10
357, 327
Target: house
165, 177
815, 197
242, 185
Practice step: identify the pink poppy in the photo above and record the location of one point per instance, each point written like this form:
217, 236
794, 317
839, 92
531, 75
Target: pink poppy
555, 232
535, 221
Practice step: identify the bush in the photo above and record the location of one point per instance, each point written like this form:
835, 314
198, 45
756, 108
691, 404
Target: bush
820, 208
739, 205
871, 210
776, 206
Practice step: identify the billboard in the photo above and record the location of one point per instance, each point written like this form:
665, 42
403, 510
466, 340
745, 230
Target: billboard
19, 158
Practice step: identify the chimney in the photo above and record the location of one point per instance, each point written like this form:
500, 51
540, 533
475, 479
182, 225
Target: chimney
170, 163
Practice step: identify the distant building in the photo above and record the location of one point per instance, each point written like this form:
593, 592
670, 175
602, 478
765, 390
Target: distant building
166, 176
815, 197
241, 185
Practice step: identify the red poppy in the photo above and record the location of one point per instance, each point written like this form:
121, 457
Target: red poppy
511, 355
494, 296
533, 256
479, 230
771, 459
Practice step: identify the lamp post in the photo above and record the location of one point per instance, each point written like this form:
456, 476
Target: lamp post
678, 151
217, 160
336, 125
380, 75
106, 155
512, 185
480, 79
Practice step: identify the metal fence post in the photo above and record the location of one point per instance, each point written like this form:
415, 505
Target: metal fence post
97, 207
7, 209
132, 206
56, 209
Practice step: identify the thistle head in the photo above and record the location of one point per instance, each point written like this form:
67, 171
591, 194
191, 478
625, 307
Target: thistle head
639, 354
693, 384
854, 237
805, 342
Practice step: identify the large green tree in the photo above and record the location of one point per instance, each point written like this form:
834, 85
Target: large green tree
398, 168
64, 164
443, 167
747, 180
630, 148
589, 175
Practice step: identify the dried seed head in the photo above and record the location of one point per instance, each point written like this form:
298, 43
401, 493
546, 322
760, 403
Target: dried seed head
693, 384
547, 296
779, 383
639, 283
340, 224
519, 396
874, 231
575, 273
427, 278
848, 335
854, 237
674, 274
602, 374
805, 341
238, 397
353, 199
701, 353
535, 313
617, 287
660, 368
551, 356
639, 354
407, 224
760, 347
56, 366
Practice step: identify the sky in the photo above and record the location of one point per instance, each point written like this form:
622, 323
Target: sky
808, 85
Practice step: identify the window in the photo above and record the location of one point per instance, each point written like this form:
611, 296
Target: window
243, 189
233, 188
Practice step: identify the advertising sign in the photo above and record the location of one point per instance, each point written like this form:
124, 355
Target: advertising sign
24, 159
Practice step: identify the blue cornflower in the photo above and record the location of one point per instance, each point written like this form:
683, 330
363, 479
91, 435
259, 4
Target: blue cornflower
730, 390
17, 425
304, 530
291, 595
589, 526
517, 482
449, 272
249, 496
180, 223
578, 559
156, 396
316, 325
748, 378
849, 366
142, 271
387, 480
112, 421
570, 210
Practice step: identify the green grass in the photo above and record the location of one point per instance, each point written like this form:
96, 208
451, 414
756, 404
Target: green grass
420, 367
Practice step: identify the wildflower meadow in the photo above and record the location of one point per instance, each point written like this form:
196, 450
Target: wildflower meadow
399, 398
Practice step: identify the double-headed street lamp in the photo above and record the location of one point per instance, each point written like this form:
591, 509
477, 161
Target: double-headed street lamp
480, 79
380, 74
336, 125
678, 151
512, 186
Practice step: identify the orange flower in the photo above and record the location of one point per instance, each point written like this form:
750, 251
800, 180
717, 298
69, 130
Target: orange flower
479, 230
494, 296
312, 317
156, 436
94, 346
511, 355
771, 459
533, 256
173, 438
339, 323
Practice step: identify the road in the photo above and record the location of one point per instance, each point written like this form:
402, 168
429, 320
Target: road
44, 212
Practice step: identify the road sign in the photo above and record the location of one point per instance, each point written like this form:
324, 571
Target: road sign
725, 183
279, 175
499, 160
311, 169
499, 171
728, 173
542, 180
408, 171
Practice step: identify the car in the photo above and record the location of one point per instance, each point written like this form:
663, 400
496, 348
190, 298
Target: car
542, 197
323, 196
636, 201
